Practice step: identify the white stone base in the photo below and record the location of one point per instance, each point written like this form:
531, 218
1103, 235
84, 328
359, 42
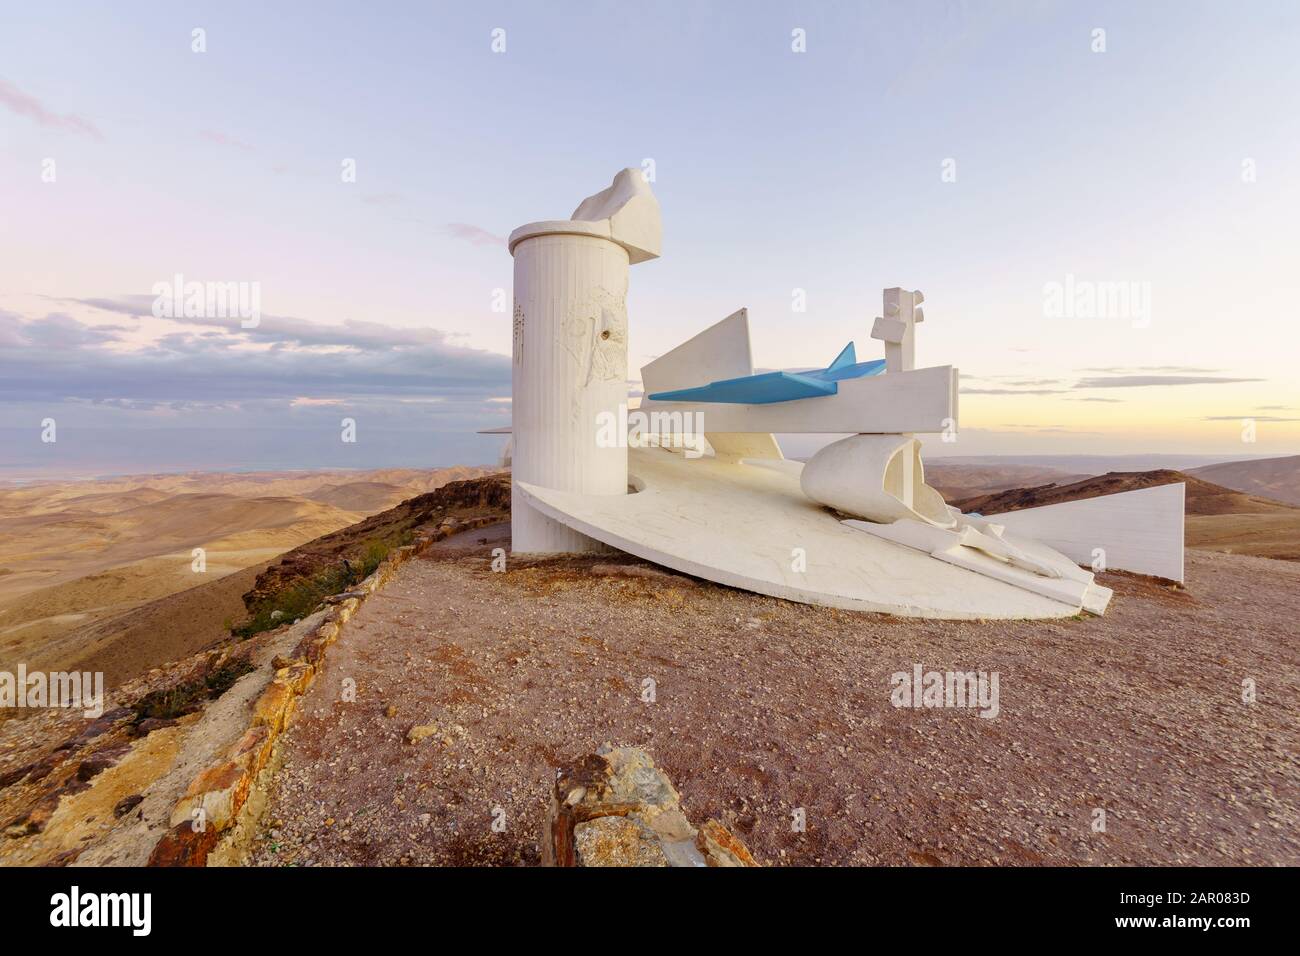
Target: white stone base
542, 535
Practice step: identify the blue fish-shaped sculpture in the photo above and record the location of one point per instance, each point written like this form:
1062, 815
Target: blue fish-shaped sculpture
770, 387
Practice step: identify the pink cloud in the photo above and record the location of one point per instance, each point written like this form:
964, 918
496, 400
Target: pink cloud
473, 234
25, 105
221, 139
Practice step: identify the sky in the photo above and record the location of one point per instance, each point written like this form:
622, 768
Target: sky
991, 155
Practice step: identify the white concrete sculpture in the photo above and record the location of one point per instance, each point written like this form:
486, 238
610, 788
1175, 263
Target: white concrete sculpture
570, 350
856, 527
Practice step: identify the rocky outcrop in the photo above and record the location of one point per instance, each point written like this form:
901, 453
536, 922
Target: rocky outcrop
462, 501
616, 808
214, 799
31, 791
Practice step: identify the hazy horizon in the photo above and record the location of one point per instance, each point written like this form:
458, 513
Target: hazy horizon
395, 459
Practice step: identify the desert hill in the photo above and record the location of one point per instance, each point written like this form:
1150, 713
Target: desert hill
365, 497
1277, 478
77, 556
1203, 497
315, 566
1218, 518
956, 480
129, 643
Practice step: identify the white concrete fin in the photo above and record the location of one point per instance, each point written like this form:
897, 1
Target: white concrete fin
1139, 531
719, 352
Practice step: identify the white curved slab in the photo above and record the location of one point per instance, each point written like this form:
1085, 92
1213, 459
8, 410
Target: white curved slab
878, 477
738, 525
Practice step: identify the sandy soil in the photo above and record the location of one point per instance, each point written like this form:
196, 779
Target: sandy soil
1266, 535
763, 708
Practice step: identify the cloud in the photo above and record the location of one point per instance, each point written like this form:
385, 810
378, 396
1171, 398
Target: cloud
303, 401
1184, 369
1093, 398
1006, 385
285, 330
383, 199
1253, 418
58, 358
1013, 391
474, 235
1031, 429
1141, 381
26, 105
221, 139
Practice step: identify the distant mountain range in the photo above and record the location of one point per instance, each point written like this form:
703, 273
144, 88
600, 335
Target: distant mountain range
1277, 478
1245, 512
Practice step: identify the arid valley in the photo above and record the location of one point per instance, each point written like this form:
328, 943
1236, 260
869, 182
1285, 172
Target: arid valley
101, 574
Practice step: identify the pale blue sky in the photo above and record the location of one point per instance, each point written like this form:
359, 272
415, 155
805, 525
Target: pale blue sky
776, 170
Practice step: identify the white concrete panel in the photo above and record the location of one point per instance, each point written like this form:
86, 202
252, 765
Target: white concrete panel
1140, 531
739, 525
721, 351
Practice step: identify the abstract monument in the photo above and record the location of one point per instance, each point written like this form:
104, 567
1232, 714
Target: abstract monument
693, 477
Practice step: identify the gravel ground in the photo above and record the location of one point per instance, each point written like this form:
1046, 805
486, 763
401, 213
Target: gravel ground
763, 709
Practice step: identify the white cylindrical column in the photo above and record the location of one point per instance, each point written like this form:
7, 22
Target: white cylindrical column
570, 372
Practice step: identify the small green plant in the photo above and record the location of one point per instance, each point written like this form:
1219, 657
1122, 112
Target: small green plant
185, 698
300, 599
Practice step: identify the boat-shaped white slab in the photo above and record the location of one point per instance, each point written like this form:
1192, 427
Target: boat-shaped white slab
740, 525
